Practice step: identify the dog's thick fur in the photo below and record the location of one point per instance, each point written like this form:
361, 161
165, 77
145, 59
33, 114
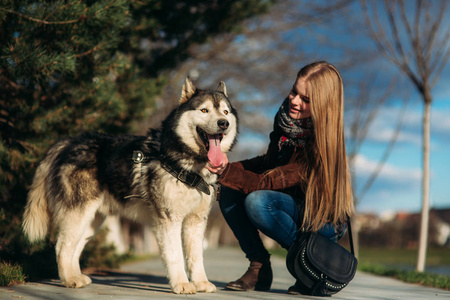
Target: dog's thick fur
83, 179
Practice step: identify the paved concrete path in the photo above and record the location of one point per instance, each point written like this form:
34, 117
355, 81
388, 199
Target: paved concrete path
147, 280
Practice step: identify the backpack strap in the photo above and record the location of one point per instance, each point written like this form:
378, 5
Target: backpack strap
350, 235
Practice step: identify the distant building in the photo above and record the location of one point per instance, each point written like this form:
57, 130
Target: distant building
401, 229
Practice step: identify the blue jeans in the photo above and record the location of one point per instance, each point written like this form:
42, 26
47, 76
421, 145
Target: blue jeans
273, 213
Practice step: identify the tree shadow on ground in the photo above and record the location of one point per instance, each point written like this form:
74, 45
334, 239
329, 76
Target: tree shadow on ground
105, 279
140, 281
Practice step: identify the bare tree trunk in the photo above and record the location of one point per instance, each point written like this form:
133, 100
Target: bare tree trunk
423, 240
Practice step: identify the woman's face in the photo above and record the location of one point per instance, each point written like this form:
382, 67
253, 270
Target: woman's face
299, 106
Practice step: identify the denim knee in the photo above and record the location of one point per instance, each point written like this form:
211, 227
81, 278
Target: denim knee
274, 214
256, 205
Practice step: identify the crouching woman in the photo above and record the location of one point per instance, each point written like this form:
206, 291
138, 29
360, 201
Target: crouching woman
301, 183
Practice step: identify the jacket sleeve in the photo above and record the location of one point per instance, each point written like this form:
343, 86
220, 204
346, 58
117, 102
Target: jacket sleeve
235, 176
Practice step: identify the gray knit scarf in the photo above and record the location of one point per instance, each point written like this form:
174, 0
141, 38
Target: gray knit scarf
293, 132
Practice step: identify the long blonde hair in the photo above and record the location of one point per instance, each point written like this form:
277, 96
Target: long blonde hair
329, 195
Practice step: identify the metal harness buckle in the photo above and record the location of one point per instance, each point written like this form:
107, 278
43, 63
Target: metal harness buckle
137, 157
182, 176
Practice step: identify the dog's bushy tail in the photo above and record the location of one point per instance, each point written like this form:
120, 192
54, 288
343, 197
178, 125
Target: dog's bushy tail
36, 218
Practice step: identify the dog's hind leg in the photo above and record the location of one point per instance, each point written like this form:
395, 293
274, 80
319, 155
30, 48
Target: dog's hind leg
74, 228
194, 227
89, 232
168, 236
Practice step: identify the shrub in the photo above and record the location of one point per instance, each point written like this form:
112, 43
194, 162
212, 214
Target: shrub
10, 274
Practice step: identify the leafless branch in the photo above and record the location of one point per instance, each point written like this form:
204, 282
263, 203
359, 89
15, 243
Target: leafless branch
386, 154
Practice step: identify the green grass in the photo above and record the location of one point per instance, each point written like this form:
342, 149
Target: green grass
435, 256
400, 264
11, 274
423, 278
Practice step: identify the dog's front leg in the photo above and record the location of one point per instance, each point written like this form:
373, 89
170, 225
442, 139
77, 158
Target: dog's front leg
193, 233
168, 235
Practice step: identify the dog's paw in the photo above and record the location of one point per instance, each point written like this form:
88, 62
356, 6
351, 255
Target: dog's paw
184, 288
77, 281
205, 286
87, 280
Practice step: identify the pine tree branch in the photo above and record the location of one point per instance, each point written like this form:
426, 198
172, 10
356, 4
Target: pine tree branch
107, 6
38, 20
11, 83
91, 50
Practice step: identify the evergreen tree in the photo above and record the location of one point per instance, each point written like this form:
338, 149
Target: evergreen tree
72, 66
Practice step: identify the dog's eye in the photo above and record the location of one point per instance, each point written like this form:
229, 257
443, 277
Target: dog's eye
204, 110
225, 112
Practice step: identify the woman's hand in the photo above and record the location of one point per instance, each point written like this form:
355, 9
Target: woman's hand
218, 169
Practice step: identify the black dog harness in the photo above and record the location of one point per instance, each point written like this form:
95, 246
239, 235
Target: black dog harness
189, 178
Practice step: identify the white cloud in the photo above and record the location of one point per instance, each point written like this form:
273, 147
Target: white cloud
385, 135
365, 167
440, 121
384, 126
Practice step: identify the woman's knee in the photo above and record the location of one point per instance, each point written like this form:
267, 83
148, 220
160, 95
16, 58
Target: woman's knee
256, 200
257, 205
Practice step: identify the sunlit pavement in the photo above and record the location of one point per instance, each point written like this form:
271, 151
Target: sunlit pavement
146, 280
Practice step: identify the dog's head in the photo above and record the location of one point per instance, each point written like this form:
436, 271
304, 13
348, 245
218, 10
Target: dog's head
205, 122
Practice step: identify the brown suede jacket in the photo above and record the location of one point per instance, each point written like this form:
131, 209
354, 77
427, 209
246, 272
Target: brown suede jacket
276, 170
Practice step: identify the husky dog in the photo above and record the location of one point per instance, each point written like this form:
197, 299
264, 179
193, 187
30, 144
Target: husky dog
159, 179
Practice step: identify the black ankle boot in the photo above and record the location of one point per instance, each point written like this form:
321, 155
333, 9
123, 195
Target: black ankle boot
294, 290
258, 277
298, 289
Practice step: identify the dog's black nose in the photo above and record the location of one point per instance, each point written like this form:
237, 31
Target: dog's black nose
223, 124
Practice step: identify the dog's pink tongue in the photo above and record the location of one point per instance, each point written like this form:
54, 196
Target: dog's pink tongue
215, 154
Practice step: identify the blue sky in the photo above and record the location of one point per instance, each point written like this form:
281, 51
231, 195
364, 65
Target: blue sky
399, 186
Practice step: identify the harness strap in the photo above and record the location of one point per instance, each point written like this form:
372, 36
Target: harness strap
350, 235
190, 178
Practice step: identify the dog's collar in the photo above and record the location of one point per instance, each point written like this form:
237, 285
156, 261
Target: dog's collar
190, 178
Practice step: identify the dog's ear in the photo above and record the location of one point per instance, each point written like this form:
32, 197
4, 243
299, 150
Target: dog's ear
222, 88
187, 91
